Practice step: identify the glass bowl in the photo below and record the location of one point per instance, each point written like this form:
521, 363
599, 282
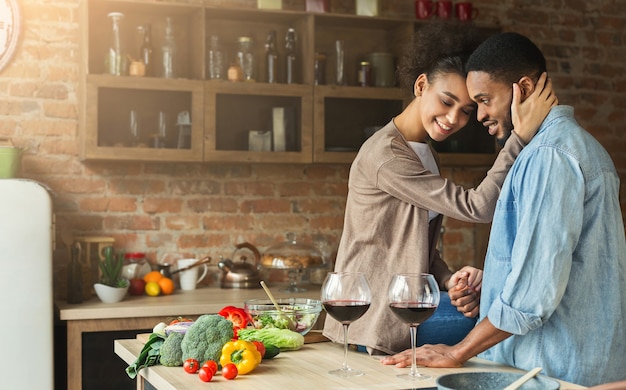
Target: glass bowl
303, 312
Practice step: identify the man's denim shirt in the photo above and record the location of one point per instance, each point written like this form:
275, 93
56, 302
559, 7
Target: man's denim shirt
554, 272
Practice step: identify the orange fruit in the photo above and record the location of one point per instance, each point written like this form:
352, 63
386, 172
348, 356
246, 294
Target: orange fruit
152, 276
153, 289
167, 285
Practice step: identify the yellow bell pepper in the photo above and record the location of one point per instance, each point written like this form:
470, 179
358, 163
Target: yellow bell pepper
242, 354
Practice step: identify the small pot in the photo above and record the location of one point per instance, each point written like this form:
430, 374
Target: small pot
108, 294
239, 273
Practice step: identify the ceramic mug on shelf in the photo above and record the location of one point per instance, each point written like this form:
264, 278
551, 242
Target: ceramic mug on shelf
465, 12
189, 278
424, 9
444, 9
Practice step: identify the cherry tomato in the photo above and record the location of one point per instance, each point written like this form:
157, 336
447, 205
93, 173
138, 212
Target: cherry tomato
230, 371
205, 374
212, 365
259, 347
191, 366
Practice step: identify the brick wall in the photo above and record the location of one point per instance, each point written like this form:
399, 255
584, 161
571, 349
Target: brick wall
207, 209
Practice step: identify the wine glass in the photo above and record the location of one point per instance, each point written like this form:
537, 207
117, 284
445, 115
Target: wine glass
346, 296
413, 298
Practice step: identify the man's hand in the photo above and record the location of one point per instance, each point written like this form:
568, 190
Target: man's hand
464, 290
439, 355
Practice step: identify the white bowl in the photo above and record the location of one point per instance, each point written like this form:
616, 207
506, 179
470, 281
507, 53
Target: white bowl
108, 294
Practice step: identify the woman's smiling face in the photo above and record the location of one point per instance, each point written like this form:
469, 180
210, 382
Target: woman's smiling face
445, 104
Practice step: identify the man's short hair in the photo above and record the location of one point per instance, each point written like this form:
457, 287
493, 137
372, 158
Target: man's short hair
507, 57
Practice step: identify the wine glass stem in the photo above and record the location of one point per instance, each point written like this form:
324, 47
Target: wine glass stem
413, 330
345, 348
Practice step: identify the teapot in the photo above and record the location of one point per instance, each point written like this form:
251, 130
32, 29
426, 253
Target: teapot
238, 273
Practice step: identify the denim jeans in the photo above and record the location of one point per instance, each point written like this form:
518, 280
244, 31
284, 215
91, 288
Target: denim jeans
446, 326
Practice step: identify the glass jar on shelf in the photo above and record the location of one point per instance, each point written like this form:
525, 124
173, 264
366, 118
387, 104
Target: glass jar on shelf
116, 61
146, 50
245, 58
215, 59
169, 52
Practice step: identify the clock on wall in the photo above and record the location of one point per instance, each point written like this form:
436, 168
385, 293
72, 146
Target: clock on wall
9, 30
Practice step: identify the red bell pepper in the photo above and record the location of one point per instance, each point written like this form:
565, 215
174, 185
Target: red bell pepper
237, 316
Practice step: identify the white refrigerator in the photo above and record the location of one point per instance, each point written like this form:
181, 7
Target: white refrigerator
26, 296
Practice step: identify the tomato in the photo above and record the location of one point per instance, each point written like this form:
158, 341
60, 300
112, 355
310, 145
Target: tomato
191, 366
211, 364
229, 371
259, 347
205, 374
180, 319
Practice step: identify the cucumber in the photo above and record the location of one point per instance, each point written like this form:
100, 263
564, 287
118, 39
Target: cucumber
271, 351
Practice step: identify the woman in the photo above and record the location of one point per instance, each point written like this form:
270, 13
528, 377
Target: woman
397, 199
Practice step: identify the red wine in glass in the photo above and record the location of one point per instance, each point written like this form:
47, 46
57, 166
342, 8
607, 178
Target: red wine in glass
413, 298
346, 311
346, 296
413, 313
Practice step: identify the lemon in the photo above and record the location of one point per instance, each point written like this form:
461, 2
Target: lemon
153, 289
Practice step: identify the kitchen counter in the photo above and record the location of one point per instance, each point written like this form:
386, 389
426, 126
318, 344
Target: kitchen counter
306, 368
143, 312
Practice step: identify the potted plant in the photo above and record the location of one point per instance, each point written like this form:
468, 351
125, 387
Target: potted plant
112, 286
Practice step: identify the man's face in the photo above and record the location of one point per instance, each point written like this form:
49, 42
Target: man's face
494, 103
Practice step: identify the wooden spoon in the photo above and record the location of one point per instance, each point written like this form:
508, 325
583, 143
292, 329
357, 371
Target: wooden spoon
197, 263
528, 376
290, 324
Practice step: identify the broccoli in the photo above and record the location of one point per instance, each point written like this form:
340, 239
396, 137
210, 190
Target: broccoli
206, 337
171, 351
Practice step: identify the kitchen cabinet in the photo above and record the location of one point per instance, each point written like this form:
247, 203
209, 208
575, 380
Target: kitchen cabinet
326, 123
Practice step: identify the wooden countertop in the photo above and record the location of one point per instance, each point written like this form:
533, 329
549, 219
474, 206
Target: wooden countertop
203, 300
306, 368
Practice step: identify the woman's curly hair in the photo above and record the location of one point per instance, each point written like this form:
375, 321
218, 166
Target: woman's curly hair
437, 48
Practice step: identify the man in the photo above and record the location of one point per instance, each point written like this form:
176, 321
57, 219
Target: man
554, 289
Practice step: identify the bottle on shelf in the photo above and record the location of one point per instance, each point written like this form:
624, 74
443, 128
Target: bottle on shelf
215, 60
134, 136
75, 276
271, 58
146, 50
169, 51
116, 61
245, 58
291, 57
340, 76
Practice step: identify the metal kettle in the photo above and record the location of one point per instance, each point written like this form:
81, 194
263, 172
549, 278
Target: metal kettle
239, 273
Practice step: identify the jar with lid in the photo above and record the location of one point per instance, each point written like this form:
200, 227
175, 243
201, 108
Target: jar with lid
245, 58
365, 74
134, 263
294, 257
215, 59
